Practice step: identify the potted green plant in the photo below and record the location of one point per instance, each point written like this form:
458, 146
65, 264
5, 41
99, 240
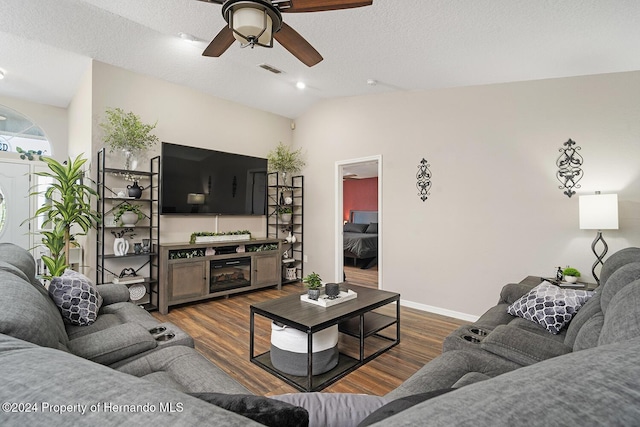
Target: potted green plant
285, 213
68, 205
313, 282
128, 213
286, 161
125, 132
570, 274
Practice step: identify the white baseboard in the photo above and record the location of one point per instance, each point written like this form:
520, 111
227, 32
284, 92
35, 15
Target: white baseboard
438, 310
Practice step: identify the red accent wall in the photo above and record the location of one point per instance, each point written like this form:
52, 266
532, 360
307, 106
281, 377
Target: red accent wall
359, 195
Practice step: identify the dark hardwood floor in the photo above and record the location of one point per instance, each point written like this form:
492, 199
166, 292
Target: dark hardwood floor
361, 276
220, 329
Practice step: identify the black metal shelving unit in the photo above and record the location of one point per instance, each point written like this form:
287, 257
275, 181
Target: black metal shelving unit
109, 265
277, 194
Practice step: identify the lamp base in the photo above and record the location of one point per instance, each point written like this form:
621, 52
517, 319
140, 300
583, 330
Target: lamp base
600, 256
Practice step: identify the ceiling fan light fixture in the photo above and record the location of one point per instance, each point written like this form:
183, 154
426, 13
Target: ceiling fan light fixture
253, 22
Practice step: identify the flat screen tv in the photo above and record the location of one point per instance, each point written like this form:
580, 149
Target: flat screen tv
198, 181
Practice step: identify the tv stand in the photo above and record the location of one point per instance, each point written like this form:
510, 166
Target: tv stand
200, 271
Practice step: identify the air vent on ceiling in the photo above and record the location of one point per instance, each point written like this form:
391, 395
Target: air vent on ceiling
268, 67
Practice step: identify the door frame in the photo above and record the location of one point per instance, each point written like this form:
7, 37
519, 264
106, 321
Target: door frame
339, 203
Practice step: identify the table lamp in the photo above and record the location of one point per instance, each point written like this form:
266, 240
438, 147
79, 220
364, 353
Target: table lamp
599, 212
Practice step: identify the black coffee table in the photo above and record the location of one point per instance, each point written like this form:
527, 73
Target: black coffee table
354, 317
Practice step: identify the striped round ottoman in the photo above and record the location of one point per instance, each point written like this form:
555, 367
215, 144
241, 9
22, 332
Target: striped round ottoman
289, 350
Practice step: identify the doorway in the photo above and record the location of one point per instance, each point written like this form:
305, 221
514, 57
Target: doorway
14, 203
368, 263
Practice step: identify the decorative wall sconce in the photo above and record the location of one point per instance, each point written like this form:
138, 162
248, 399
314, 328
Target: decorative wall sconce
569, 167
424, 180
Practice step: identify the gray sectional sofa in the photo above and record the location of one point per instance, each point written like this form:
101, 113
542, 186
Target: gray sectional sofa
514, 373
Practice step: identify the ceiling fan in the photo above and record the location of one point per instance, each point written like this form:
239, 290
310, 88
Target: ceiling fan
258, 22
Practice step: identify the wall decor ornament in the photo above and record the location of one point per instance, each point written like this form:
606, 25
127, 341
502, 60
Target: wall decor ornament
569, 167
424, 180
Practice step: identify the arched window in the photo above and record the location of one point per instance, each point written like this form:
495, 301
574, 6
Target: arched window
18, 132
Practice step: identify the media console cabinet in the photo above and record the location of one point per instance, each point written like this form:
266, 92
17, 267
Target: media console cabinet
199, 271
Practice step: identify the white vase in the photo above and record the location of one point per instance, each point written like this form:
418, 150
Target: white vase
570, 279
120, 246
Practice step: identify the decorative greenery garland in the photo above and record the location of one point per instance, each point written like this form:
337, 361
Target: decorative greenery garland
192, 240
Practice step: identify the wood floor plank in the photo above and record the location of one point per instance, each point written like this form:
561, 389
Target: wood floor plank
220, 329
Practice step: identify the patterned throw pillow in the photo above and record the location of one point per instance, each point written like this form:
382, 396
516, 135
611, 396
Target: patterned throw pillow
550, 305
77, 298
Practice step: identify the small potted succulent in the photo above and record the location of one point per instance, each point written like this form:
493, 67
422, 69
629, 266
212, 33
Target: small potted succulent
570, 275
128, 214
313, 282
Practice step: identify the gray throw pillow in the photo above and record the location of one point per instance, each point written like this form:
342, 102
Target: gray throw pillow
549, 305
76, 297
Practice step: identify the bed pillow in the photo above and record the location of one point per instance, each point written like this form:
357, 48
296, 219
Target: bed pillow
549, 305
351, 227
372, 228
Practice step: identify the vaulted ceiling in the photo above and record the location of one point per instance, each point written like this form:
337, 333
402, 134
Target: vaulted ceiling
399, 45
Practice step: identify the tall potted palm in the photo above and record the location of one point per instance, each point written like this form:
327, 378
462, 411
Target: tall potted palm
69, 208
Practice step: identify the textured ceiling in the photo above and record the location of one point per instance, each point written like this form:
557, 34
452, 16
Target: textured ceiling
403, 44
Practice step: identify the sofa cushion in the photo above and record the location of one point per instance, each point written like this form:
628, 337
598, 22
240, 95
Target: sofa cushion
334, 409
181, 368
27, 313
622, 319
96, 394
595, 387
617, 260
76, 297
266, 411
400, 405
549, 305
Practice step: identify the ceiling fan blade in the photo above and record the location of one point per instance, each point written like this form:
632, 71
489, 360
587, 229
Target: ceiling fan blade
297, 45
319, 5
213, 1
220, 43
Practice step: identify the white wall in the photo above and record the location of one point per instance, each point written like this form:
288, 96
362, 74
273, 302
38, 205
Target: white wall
187, 117
495, 213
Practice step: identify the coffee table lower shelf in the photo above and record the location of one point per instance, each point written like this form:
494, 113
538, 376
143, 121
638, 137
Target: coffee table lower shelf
346, 364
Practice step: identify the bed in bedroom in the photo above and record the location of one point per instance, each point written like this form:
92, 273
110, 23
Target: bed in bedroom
360, 237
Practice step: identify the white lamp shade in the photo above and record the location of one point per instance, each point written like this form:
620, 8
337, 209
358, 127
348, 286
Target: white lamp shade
599, 212
249, 22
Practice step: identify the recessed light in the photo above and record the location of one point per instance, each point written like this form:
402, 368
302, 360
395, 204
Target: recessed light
1, 74
2, 118
187, 37
372, 82
301, 85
